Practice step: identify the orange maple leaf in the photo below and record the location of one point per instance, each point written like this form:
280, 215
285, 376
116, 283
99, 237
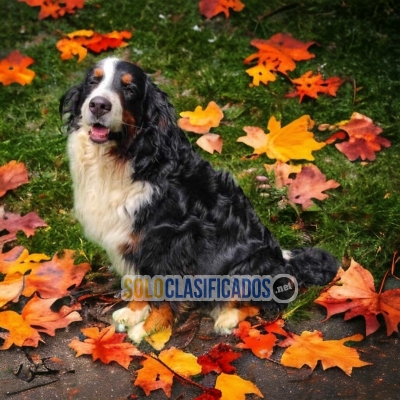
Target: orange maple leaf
287, 44
12, 175
260, 344
210, 8
291, 142
278, 53
38, 313
105, 345
14, 69
309, 348
310, 183
199, 120
78, 42
155, 374
363, 141
234, 387
54, 8
309, 85
54, 278
356, 296
19, 333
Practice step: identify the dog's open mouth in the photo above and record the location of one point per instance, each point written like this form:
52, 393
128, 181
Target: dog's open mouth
99, 133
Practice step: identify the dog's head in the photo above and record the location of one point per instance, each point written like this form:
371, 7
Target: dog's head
115, 101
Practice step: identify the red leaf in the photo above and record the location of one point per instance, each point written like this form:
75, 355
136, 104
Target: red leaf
218, 359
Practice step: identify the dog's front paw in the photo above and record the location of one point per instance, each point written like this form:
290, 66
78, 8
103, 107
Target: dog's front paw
226, 321
125, 318
137, 333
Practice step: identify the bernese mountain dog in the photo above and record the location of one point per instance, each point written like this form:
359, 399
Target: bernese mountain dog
157, 207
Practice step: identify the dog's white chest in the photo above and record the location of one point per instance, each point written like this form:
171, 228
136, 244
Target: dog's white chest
105, 196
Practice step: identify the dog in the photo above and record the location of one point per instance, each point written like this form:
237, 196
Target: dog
157, 207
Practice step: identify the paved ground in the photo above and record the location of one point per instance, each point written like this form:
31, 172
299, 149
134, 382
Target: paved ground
80, 378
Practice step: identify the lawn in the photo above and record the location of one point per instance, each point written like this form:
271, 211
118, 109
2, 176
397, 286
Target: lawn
197, 61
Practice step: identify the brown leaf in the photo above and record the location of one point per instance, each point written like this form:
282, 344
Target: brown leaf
310, 183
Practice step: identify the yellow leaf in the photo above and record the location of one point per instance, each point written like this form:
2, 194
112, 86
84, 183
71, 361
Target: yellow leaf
20, 332
291, 142
199, 120
11, 288
182, 363
82, 32
260, 73
159, 339
233, 387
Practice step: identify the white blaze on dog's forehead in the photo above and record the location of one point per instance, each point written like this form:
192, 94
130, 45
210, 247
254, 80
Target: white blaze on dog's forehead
108, 66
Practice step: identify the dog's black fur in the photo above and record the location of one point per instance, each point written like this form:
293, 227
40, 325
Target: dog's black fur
198, 220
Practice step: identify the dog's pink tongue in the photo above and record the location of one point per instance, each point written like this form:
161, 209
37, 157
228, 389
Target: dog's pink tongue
99, 134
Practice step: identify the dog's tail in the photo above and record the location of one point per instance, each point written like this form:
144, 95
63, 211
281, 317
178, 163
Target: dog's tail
311, 266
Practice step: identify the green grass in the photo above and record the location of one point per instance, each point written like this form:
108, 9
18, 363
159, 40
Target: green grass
356, 40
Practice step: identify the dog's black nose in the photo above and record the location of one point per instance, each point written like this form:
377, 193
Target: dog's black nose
99, 106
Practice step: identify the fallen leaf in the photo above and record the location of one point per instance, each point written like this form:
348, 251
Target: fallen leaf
260, 344
310, 183
184, 364
54, 278
12, 175
154, 375
11, 288
363, 141
37, 312
210, 142
309, 348
309, 85
356, 296
54, 8
199, 120
218, 359
234, 387
78, 42
210, 8
291, 142
18, 260
14, 69
281, 172
14, 222
288, 45
278, 53
261, 73
20, 332
105, 345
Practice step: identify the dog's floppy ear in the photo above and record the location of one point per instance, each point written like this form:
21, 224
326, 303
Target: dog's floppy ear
158, 111
70, 105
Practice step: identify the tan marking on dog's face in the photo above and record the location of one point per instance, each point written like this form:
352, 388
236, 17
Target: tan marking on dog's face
98, 72
127, 79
